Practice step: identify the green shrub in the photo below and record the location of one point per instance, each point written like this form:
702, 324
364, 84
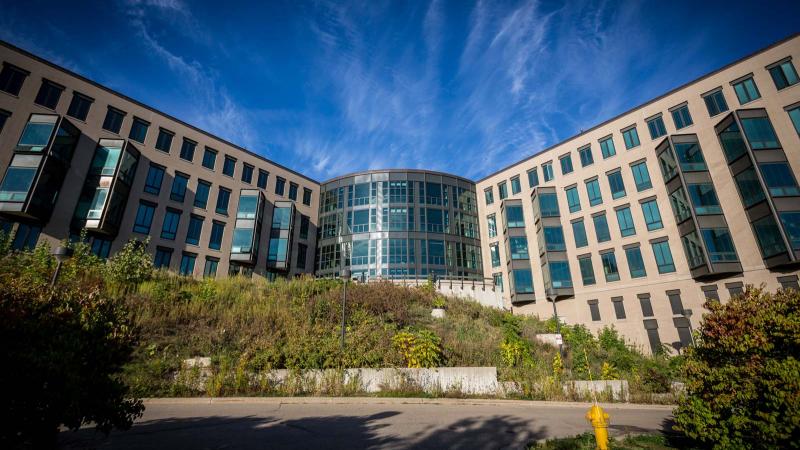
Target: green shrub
420, 348
743, 375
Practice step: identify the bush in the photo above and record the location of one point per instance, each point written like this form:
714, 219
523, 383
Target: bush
420, 348
743, 375
63, 350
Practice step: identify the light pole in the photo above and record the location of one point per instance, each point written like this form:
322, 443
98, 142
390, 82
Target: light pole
551, 297
346, 277
688, 314
61, 254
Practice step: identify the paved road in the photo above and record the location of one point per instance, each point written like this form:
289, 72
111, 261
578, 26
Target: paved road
347, 423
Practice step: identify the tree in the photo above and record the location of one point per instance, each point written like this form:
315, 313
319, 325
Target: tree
63, 351
743, 374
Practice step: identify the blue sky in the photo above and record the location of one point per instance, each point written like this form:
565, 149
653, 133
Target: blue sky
331, 87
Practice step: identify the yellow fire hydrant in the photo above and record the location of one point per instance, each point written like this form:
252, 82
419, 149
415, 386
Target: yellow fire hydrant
599, 420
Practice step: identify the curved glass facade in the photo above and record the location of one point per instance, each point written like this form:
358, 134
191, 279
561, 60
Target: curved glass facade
399, 224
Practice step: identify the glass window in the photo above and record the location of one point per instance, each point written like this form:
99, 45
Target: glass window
489, 195
498, 280
680, 205
593, 191
201, 196
4, 115
641, 176
491, 225
215, 238
187, 150
518, 247
209, 158
559, 274
247, 173
554, 239
494, 250
719, 244
17, 183
625, 220
746, 91
144, 218
113, 120
768, 236
594, 310
601, 228
631, 138
307, 196
105, 160
164, 140
616, 184
794, 114
533, 178
523, 281
585, 154
293, 191
681, 117
547, 170
170, 226
163, 256
635, 262
579, 232
619, 307
690, 157
566, 164
548, 205
587, 271
779, 179
228, 166
195, 228
610, 269
516, 187
704, 199
49, 94
791, 224
715, 103
280, 186
223, 198
187, 264
694, 250
210, 269
179, 184
749, 187
573, 200
760, 133
305, 223
262, 183
242, 241
783, 75
300, 263
652, 215
656, 127
514, 217
502, 188
36, 134
138, 130
675, 303
607, 148
732, 142
669, 167
79, 106
101, 247
248, 204
11, 79
663, 257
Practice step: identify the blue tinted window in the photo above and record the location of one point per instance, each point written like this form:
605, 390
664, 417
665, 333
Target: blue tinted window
791, 224
681, 117
783, 75
715, 103
163, 256
652, 215
113, 120
641, 176
663, 257
593, 192
635, 262
547, 170
209, 158
554, 239
523, 281
229, 166
586, 156
719, 244
616, 184
215, 239
516, 187
489, 195
144, 218
170, 226
746, 91
573, 200
690, 157
533, 178
607, 148
794, 114
704, 199
548, 205
518, 247
514, 217
779, 179
579, 232
187, 150
610, 269
601, 228
587, 271
625, 220
179, 184
187, 264
732, 142
631, 138
262, 182
138, 130
101, 247
502, 188
759, 133
155, 174
201, 196
749, 187
494, 250
195, 228
210, 269
656, 127
223, 198
566, 165
559, 274
164, 140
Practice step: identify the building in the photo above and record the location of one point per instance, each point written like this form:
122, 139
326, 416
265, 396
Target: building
685, 198
632, 223
399, 224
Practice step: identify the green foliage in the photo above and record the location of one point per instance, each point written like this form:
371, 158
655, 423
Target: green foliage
743, 375
514, 350
586, 441
132, 265
63, 350
419, 347
439, 301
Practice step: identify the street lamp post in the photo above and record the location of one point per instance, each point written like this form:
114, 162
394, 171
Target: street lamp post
346, 278
688, 314
61, 254
551, 297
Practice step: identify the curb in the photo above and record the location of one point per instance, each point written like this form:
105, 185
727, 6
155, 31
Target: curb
394, 401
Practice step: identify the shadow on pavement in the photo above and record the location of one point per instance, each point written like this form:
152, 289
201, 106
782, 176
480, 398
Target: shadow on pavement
327, 432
